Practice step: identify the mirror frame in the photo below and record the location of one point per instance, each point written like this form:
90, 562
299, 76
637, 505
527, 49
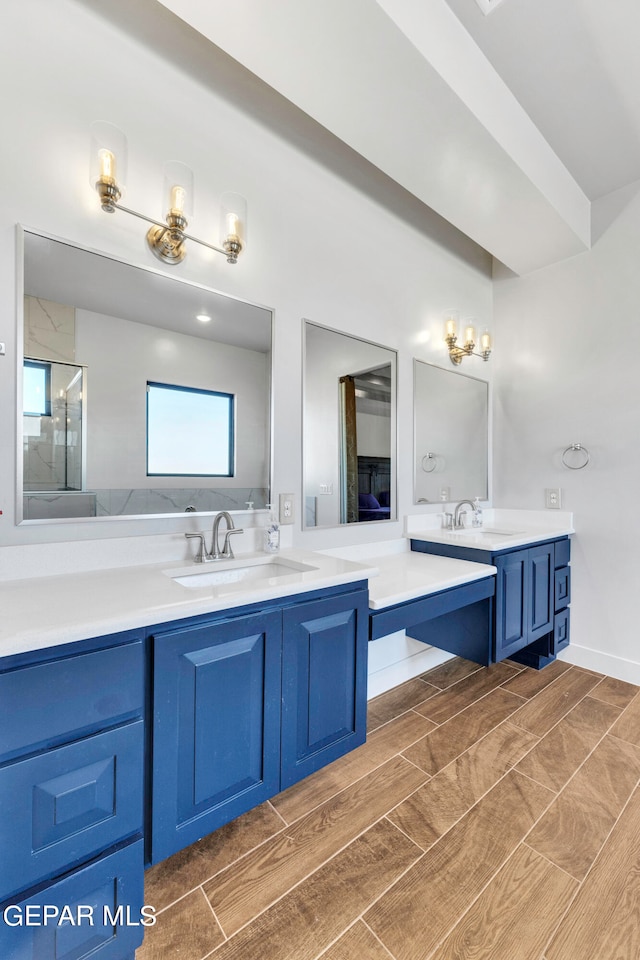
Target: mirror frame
416, 467
394, 439
21, 231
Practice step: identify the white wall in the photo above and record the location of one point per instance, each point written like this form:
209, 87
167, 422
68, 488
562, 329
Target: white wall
567, 343
385, 280
329, 238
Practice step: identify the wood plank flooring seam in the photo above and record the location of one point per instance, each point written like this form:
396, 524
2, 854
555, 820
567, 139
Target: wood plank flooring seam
210, 905
278, 814
386, 949
538, 853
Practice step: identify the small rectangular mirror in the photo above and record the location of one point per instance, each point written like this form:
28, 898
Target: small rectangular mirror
349, 429
451, 435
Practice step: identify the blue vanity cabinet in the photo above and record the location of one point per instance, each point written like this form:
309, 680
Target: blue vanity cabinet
248, 702
216, 737
531, 608
71, 800
324, 681
524, 598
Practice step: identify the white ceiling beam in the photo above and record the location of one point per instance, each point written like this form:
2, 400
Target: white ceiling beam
402, 83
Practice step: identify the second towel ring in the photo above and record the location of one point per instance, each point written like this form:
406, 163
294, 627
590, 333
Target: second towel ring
429, 462
583, 458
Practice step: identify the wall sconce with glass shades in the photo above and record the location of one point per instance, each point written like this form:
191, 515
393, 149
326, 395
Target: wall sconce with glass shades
166, 239
467, 349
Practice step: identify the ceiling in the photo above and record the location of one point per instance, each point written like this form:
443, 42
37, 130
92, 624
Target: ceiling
508, 125
573, 65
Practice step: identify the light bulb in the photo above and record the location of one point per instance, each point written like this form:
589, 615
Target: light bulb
107, 164
469, 334
178, 199
485, 342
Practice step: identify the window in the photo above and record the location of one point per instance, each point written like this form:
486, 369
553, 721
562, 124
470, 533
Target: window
189, 432
36, 401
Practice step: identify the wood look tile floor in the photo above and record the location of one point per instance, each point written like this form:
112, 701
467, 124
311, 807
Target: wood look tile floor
493, 814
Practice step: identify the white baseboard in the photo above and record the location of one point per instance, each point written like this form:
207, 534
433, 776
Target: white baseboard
396, 673
601, 662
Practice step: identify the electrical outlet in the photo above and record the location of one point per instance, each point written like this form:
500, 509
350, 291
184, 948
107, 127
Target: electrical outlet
552, 498
445, 494
286, 508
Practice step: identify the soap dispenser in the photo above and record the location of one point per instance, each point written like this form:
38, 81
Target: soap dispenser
271, 533
477, 513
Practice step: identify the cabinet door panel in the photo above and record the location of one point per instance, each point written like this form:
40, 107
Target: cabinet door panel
216, 726
324, 683
511, 610
541, 591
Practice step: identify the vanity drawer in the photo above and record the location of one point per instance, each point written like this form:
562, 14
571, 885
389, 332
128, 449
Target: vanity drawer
561, 630
46, 703
66, 805
562, 587
94, 893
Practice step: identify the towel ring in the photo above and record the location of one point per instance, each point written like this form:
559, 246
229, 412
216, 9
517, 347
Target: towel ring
584, 457
431, 458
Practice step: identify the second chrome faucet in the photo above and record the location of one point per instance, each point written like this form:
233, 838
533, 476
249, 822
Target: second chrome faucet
206, 556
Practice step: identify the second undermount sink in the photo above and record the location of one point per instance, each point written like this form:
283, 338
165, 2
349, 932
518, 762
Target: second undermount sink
260, 569
488, 532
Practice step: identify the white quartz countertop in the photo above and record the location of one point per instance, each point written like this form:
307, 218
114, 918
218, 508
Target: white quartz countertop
48, 611
404, 574
501, 529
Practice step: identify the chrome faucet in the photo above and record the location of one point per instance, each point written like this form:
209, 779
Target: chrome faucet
206, 556
458, 522
226, 553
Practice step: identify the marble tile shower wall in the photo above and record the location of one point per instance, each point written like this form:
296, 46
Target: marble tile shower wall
114, 503
119, 503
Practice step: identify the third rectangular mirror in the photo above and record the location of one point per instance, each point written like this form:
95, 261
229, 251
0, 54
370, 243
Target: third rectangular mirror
451, 435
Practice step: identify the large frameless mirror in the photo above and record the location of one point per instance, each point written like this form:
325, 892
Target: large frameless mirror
141, 394
349, 429
451, 435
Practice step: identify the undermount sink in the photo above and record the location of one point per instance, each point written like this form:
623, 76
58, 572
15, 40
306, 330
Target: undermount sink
488, 532
261, 569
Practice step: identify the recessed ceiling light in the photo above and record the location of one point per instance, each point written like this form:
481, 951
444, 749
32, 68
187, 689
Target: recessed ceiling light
203, 317
488, 6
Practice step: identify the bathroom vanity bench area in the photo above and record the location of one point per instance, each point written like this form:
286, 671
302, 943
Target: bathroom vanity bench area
141, 710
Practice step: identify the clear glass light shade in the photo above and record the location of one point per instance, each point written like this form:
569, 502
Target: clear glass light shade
233, 219
485, 341
469, 332
451, 318
178, 190
108, 158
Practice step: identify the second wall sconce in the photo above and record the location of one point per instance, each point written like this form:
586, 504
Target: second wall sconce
458, 352
166, 239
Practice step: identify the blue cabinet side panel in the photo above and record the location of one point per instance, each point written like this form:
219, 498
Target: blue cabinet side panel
64, 806
110, 893
465, 632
